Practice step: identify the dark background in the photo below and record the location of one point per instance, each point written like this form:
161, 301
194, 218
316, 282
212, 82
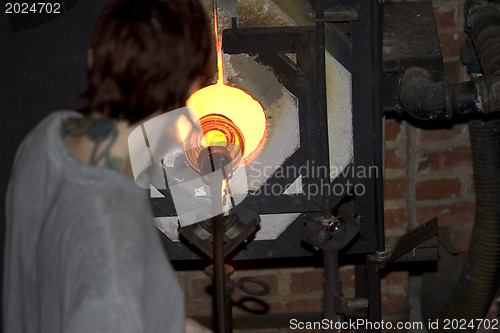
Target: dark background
42, 69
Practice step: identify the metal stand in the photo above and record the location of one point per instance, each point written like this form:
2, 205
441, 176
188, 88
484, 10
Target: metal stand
332, 288
221, 281
221, 301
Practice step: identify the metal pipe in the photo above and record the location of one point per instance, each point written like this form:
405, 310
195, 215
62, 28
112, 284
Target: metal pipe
427, 100
480, 276
373, 276
220, 301
322, 109
374, 299
366, 34
483, 20
423, 99
221, 324
377, 61
332, 287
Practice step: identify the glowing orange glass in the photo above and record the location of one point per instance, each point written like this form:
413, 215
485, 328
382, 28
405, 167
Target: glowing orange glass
233, 104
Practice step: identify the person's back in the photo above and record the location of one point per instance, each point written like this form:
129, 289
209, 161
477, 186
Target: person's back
82, 254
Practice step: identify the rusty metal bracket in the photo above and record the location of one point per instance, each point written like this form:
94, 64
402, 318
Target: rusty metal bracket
334, 233
409, 242
239, 225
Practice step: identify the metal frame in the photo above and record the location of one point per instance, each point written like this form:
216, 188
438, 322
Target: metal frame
306, 80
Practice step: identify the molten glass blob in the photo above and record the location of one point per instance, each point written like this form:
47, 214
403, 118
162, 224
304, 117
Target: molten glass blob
244, 112
219, 144
230, 115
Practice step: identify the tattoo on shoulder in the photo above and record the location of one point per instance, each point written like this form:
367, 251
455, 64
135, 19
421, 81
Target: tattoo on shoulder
102, 132
74, 127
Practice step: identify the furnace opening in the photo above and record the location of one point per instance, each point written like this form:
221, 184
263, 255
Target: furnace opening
241, 110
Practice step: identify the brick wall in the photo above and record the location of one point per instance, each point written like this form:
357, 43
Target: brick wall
428, 166
440, 168
428, 172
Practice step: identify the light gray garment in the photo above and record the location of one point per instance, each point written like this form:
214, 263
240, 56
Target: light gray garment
82, 253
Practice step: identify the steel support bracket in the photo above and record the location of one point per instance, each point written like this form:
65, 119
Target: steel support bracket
407, 243
332, 234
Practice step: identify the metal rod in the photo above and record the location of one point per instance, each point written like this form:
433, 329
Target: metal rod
367, 117
322, 109
374, 299
361, 290
377, 14
366, 36
219, 278
332, 288
374, 310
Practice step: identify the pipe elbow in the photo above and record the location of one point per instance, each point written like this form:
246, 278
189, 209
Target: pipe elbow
421, 98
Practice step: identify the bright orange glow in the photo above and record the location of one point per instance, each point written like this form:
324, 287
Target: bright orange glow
215, 136
218, 44
241, 108
245, 112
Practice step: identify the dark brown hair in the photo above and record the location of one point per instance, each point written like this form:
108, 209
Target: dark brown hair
146, 56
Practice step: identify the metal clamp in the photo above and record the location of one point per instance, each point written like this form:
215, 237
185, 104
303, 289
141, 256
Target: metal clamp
406, 243
333, 233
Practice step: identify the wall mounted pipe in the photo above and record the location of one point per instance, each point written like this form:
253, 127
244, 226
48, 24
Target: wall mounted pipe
427, 100
480, 276
483, 20
423, 99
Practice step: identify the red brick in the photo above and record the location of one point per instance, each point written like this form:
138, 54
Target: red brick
396, 278
445, 17
454, 71
395, 158
393, 303
306, 282
438, 189
305, 305
347, 276
392, 129
446, 159
471, 189
492, 312
456, 240
395, 188
449, 214
442, 134
395, 218
451, 43
199, 288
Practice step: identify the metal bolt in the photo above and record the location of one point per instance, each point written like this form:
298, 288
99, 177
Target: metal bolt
335, 226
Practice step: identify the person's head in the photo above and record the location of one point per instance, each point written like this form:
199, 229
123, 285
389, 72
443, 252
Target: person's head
145, 57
